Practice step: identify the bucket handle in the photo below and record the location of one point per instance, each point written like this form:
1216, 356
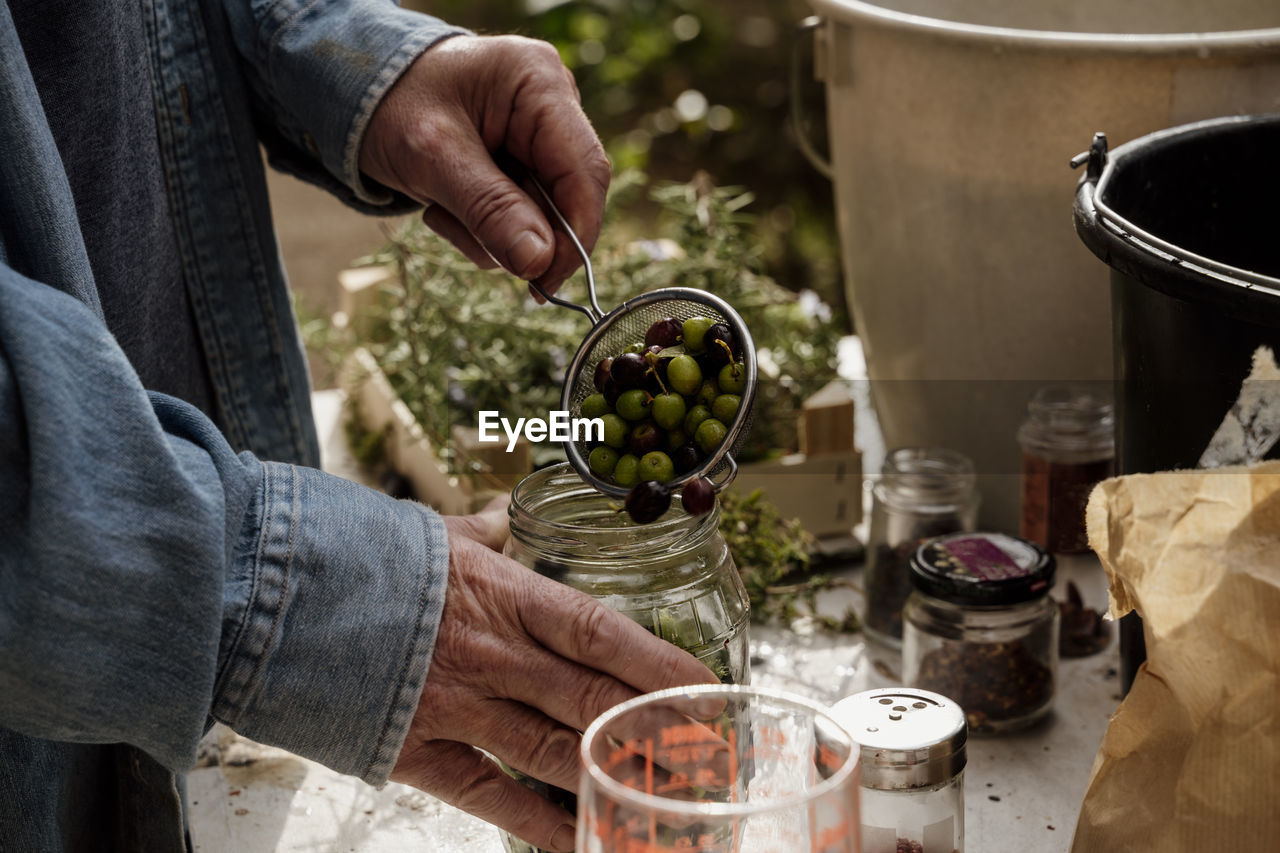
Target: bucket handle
798, 125
1091, 189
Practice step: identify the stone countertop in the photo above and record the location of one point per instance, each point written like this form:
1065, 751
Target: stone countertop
1022, 791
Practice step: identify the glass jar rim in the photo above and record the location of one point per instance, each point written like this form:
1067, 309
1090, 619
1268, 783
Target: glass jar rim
559, 485
922, 477
710, 692
1072, 418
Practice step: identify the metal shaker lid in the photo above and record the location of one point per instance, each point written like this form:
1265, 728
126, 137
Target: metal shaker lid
910, 738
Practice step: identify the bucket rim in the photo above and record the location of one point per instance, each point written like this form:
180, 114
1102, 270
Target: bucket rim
1199, 43
1128, 249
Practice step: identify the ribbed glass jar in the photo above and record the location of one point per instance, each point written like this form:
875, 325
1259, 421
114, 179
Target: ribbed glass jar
675, 576
922, 492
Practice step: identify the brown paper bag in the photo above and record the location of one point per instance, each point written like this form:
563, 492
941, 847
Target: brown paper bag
1190, 763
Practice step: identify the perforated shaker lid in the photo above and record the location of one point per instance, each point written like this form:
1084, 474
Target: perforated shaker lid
910, 738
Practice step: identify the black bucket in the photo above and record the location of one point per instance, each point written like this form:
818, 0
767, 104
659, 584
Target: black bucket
1188, 219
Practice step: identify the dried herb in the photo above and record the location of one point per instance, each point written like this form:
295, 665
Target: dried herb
994, 683
772, 555
1083, 632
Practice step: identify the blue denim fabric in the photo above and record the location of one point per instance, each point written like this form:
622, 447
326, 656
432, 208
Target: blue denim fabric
156, 573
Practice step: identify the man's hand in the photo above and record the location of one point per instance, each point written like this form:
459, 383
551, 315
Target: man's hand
522, 664
435, 132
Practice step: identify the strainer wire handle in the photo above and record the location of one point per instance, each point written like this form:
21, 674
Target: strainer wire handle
729, 475
593, 313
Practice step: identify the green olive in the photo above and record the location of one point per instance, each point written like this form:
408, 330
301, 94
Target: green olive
627, 472
595, 406
603, 460
657, 466
684, 375
710, 435
615, 431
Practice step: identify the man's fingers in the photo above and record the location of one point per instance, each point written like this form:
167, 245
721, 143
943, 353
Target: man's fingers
489, 526
584, 630
447, 226
561, 689
465, 778
525, 739
457, 172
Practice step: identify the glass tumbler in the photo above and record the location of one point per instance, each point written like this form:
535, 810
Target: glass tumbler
718, 769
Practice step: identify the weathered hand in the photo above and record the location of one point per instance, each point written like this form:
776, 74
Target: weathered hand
522, 664
435, 132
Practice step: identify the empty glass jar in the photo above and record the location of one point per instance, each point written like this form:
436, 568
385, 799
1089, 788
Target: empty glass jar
922, 492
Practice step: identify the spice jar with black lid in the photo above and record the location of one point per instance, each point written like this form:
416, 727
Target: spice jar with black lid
981, 628
922, 492
913, 760
1068, 447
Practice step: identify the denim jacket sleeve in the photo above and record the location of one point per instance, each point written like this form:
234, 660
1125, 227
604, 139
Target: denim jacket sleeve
319, 68
152, 578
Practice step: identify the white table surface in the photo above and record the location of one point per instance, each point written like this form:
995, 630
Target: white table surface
1022, 791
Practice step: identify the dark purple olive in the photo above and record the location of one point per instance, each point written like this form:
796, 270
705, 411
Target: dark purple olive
628, 370
645, 438
720, 346
611, 391
602, 372
666, 332
647, 501
698, 496
686, 457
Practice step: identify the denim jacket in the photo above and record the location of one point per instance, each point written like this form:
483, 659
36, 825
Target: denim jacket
157, 573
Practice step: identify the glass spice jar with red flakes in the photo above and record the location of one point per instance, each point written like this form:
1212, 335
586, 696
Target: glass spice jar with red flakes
981, 628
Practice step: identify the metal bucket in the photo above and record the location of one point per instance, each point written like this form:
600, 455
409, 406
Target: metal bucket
951, 123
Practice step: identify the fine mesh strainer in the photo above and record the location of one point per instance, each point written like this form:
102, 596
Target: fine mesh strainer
611, 333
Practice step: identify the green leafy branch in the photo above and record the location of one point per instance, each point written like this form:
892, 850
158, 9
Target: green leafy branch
773, 557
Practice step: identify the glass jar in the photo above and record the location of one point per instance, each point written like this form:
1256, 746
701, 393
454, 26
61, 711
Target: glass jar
923, 492
913, 760
1068, 447
981, 628
674, 576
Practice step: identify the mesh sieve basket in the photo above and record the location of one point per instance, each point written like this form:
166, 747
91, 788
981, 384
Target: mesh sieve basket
626, 324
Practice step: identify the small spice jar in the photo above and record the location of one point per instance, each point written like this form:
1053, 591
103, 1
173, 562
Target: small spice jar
913, 760
981, 628
923, 492
675, 576
1068, 447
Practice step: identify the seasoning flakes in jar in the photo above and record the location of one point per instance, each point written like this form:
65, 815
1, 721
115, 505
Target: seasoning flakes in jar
980, 628
1068, 447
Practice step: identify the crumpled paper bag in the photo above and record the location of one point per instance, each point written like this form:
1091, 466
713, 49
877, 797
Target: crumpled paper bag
1191, 759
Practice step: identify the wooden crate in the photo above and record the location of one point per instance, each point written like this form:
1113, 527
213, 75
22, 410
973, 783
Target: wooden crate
823, 491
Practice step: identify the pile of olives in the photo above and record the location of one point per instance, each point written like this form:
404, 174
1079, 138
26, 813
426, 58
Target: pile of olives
666, 403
